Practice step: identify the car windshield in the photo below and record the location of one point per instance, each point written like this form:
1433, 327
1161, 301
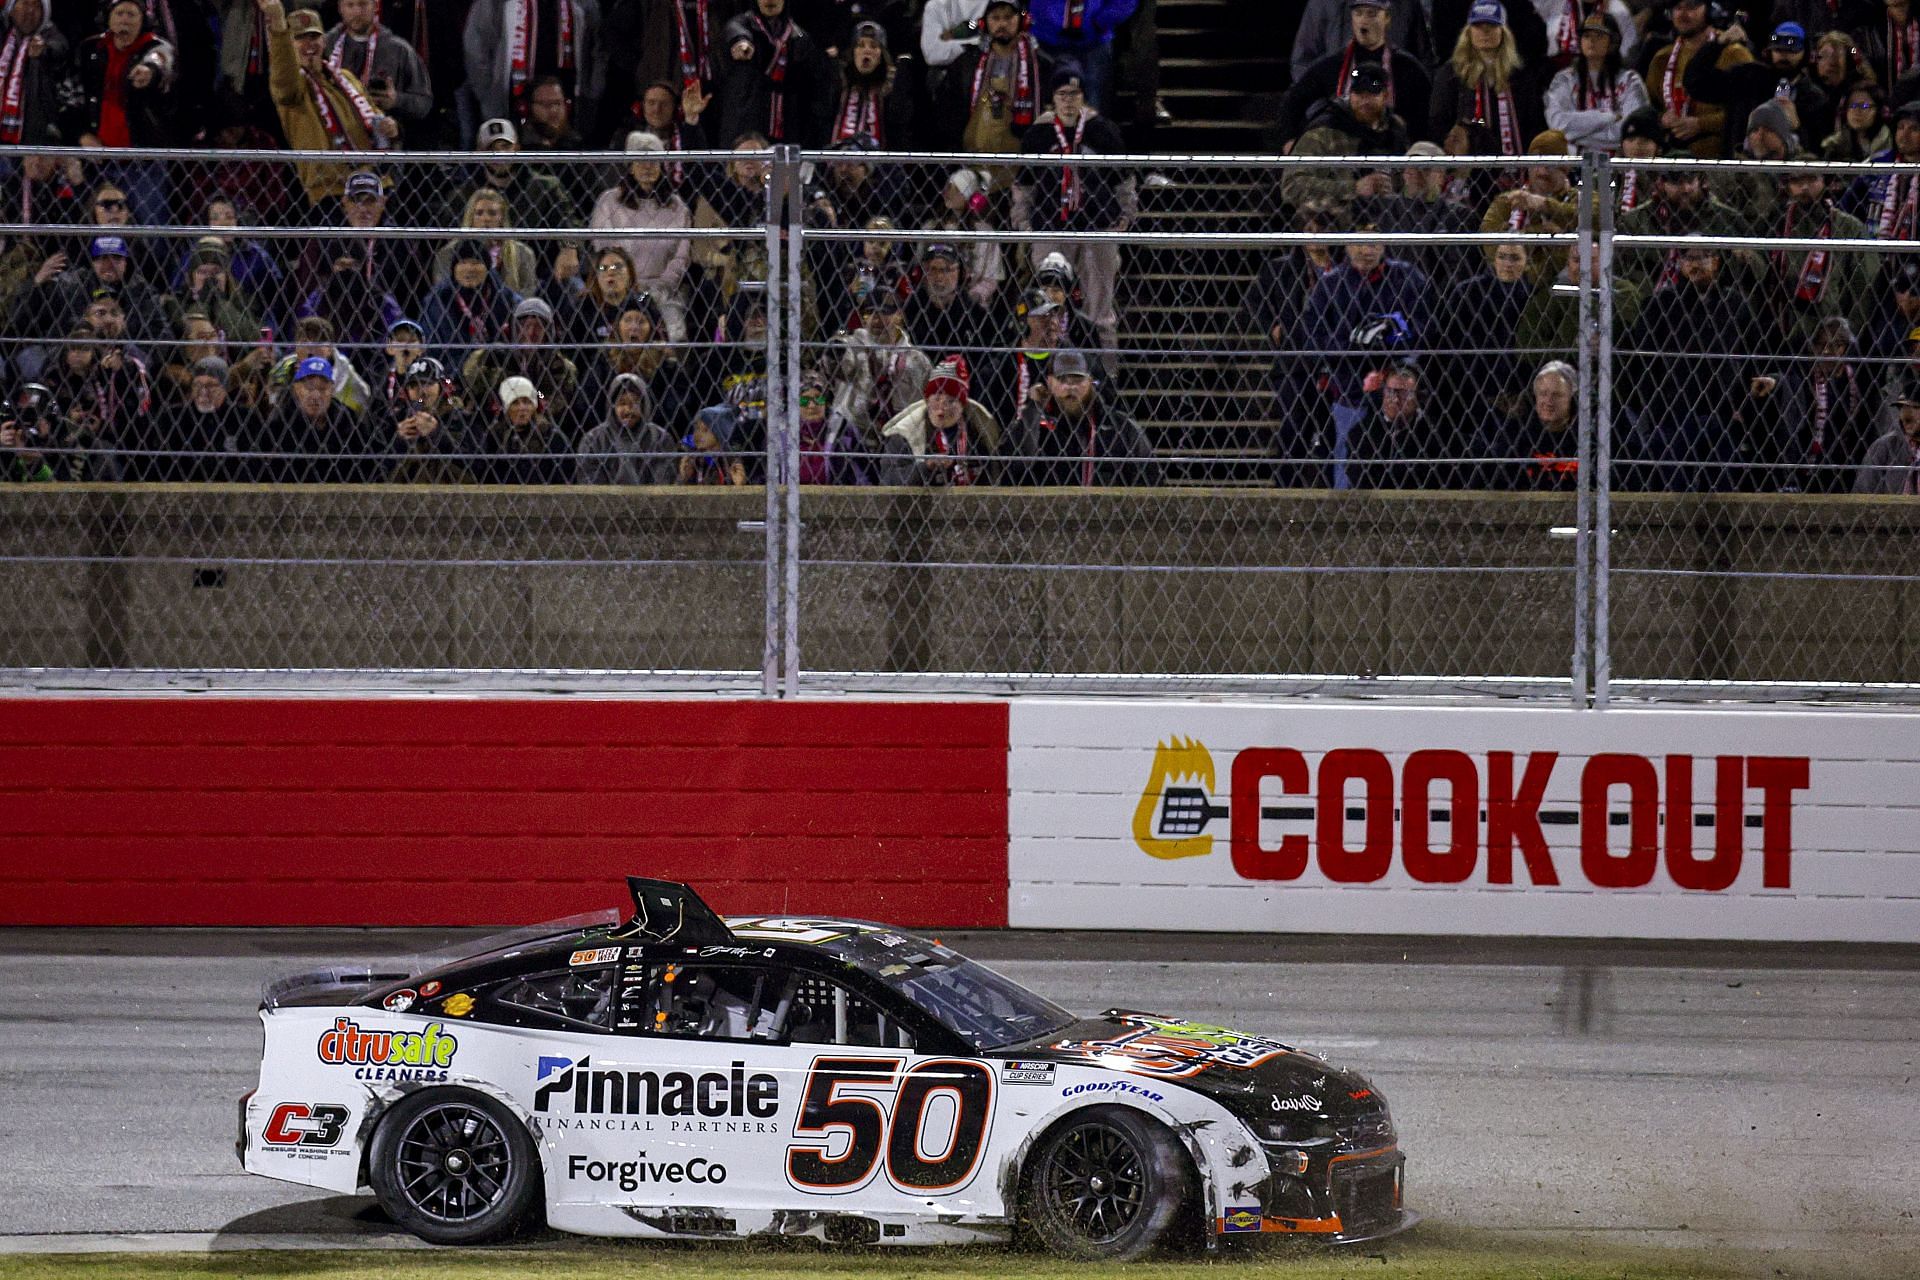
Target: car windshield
988, 1011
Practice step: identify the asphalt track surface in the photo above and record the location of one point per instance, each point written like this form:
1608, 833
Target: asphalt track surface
1755, 1098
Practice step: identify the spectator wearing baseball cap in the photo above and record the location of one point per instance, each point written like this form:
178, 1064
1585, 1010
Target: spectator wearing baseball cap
945, 438
1486, 99
1698, 126
643, 199
1776, 75
1592, 96
534, 197
1076, 438
940, 313
322, 107
529, 352
314, 439
1892, 463
1362, 123
1366, 31
1892, 204
517, 440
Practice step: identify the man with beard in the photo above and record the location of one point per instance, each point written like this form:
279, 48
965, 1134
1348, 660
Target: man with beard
1770, 136
1892, 464
872, 102
509, 44
1358, 125
313, 439
1066, 200
1686, 376
947, 438
549, 127
1807, 426
1780, 76
1891, 205
322, 107
1076, 439
1409, 88
33, 60
1696, 125
201, 439
1806, 289
992, 95
387, 66
773, 78
939, 312
427, 431
1681, 206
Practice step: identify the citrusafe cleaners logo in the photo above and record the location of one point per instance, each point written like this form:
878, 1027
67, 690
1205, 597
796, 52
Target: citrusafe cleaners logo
1175, 810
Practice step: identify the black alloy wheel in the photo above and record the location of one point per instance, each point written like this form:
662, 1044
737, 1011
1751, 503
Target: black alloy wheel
1107, 1183
454, 1167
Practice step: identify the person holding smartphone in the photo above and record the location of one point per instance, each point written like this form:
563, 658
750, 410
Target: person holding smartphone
396, 78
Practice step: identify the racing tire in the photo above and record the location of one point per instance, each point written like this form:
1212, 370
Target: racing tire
455, 1166
1106, 1184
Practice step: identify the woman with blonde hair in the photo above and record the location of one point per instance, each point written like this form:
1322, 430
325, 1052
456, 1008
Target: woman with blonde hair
1485, 97
513, 261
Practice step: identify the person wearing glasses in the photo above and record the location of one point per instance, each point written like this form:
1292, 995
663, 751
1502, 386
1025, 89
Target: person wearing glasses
1860, 130
588, 318
643, 199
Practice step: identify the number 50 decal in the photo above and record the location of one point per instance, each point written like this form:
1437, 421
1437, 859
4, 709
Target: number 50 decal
833, 1104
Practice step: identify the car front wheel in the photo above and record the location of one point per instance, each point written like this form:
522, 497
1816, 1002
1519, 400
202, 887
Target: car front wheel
454, 1166
1107, 1183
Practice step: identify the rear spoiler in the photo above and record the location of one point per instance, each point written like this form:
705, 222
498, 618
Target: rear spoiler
668, 911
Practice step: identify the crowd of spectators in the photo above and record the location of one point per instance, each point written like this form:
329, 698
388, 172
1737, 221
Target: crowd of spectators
569, 335
1780, 370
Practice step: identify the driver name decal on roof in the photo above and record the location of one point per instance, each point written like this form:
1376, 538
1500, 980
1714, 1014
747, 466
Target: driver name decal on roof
1175, 1050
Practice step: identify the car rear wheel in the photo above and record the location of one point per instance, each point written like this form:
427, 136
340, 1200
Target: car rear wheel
454, 1166
1107, 1183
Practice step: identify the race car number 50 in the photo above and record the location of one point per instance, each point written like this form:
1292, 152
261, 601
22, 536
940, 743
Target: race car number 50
927, 1147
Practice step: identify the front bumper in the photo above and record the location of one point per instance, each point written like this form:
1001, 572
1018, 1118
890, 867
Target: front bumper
1349, 1198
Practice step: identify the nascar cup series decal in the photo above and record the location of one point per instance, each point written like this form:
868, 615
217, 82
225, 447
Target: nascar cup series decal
389, 1055
1174, 1050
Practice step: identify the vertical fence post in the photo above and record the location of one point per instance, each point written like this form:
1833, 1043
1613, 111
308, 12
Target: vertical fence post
1590, 181
782, 176
1603, 440
790, 619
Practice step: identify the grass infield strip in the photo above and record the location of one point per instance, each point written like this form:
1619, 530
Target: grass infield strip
1429, 1255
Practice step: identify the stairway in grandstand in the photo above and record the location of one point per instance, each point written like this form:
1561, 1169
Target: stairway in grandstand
1199, 385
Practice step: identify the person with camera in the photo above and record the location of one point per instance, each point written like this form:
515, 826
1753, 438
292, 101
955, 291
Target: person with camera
995, 88
31, 426
428, 429
390, 68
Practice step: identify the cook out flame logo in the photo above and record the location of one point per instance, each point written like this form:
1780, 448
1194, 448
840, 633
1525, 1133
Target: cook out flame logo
1172, 817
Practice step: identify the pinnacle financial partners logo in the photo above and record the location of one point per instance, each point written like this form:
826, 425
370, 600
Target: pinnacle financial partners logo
1177, 806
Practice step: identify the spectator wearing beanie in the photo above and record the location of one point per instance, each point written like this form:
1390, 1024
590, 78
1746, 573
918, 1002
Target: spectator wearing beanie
1486, 100
1860, 124
966, 206
1330, 77
470, 310
1642, 137
1325, 27
645, 199
322, 107
1594, 94
1067, 199
509, 44
994, 92
517, 440
947, 438
202, 436
870, 98
1769, 136
628, 447
1360, 124
1697, 126
529, 353
710, 459
1546, 203
516, 262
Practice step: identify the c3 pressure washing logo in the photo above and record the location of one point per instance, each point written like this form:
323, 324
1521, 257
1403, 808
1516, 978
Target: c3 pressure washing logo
1174, 811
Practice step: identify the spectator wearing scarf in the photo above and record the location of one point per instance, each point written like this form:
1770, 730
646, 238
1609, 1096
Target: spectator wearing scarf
643, 199
1698, 126
509, 44
377, 56
322, 108
469, 311
1590, 99
869, 102
33, 60
945, 439
1068, 198
774, 80
1409, 88
1485, 99
992, 94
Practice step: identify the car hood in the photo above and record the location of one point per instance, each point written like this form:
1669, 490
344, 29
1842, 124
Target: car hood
1255, 1077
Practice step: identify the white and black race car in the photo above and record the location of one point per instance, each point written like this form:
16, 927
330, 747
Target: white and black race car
681, 1076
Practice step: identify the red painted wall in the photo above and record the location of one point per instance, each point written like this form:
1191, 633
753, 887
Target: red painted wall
239, 811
